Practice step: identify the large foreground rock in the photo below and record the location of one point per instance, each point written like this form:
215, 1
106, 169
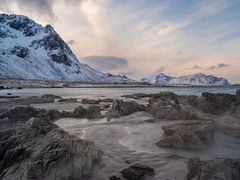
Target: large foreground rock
167, 106
38, 150
218, 169
122, 108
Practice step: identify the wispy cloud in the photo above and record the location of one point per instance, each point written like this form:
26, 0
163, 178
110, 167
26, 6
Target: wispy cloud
196, 67
105, 63
218, 66
72, 42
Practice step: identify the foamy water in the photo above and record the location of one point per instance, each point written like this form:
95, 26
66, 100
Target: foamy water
130, 139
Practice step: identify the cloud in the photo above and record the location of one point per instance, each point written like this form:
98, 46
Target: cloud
161, 69
218, 66
72, 42
195, 67
32, 8
105, 63
5, 6
223, 65
40, 8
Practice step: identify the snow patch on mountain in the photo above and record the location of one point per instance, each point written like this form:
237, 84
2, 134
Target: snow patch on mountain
30, 51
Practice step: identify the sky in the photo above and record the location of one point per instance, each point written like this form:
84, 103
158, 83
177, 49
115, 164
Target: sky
176, 37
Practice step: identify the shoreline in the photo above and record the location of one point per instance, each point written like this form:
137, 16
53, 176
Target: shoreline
21, 83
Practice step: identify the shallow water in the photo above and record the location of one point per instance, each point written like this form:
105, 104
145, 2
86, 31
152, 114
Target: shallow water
116, 92
130, 139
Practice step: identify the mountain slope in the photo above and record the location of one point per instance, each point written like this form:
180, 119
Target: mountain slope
31, 51
194, 80
159, 78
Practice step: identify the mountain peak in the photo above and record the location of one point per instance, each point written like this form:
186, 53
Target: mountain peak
30, 51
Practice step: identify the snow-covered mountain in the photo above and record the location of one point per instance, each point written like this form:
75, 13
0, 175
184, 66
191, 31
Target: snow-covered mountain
159, 78
193, 80
31, 51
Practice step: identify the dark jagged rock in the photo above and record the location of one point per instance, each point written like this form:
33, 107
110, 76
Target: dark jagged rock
93, 112
5, 122
50, 96
105, 100
114, 178
122, 108
137, 95
131, 174
79, 112
146, 169
90, 101
61, 59
137, 172
2, 87
38, 149
224, 169
6, 133
22, 23
70, 100
126, 108
216, 103
166, 106
40, 125
21, 52
238, 92
24, 113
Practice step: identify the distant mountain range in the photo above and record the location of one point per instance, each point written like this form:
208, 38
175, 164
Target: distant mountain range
193, 80
31, 51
